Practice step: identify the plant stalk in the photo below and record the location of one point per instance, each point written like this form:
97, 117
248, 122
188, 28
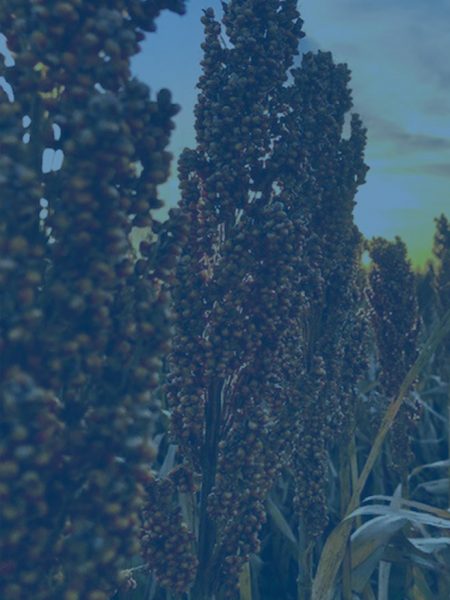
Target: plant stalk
345, 494
304, 580
206, 535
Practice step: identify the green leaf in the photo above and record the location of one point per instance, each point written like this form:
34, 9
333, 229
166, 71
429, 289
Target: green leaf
430, 545
281, 523
368, 544
439, 464
439, 512
412, 516
436, 487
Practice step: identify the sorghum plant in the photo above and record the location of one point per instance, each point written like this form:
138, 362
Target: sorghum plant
235, 292
82, 325
254, 192
395, 320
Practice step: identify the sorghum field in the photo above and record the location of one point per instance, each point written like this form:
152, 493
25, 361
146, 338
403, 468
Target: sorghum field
237, 407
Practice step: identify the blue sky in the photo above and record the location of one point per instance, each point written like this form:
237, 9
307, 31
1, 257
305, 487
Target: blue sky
398, 53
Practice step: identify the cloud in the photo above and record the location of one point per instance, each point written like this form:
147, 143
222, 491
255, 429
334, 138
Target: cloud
423, 6
396, 49
385, 130
433, 169
438, 106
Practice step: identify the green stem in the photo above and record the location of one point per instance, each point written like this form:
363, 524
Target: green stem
304, 580
345, 494
206, 535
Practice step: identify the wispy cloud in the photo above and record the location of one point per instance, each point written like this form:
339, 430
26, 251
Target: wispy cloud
436, 169
385, 130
